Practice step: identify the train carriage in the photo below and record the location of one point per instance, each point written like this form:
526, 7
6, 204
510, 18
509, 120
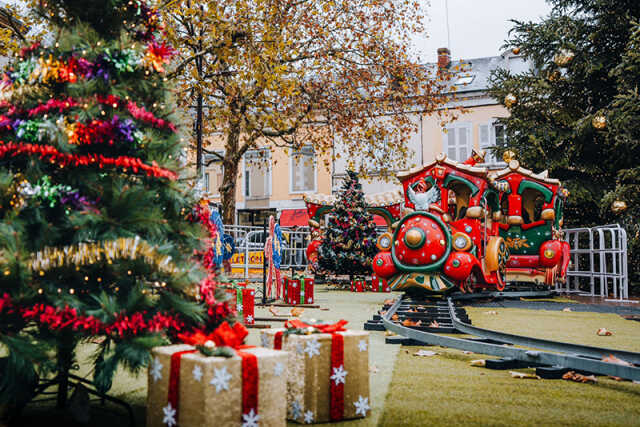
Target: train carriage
532, 205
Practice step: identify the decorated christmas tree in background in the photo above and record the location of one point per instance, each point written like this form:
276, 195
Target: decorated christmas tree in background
97, 233
576, 114
349, 242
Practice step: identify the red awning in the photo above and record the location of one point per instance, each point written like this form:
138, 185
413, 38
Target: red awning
291, 217
379, 221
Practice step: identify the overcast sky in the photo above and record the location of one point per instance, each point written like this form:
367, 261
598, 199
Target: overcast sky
477, 27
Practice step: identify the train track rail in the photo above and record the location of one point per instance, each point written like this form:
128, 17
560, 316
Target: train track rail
494, 343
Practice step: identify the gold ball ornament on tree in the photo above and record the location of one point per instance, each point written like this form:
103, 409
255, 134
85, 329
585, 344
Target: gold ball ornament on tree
618, 206
515, 50
599, 121
508, 155
510, 100
563, 57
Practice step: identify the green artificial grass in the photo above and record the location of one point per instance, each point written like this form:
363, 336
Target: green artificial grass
445, 390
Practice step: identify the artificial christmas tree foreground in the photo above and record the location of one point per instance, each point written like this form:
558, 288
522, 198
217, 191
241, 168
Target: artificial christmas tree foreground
94, 237
349, 243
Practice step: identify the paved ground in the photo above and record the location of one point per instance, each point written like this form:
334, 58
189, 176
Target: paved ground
559, 306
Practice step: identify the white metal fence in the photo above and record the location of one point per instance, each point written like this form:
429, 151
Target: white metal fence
598, 264
250, 242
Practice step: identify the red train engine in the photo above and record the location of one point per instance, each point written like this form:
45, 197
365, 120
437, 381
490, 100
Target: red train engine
452, 239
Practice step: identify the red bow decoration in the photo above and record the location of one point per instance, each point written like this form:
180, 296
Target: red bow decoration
223, 336
325, 328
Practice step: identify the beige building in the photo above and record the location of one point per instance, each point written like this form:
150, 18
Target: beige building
273, 181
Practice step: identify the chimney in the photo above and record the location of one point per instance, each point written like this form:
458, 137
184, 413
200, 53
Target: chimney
444, 57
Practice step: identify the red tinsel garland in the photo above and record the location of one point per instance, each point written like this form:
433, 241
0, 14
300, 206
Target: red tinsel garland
62, 159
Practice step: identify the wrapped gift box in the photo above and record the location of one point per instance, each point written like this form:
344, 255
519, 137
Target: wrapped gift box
323, 387
379, 285
357, 285
307, 290
293, 291
243, 301
211, 390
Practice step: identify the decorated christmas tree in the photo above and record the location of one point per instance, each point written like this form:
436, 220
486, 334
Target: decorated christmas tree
349, 242
97, 233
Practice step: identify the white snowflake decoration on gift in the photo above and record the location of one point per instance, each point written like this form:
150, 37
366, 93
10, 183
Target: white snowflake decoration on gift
299, 348
279, 369
339, 375
312, 347
362, 345
362, 406
221, 379
239, 308
250, 419
169, 415
197, 373
156, 369
264, 339
310, 300
296, 410
249, 319
308, 417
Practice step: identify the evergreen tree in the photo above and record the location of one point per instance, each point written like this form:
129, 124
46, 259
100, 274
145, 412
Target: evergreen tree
574, 113
349, 242
96, 230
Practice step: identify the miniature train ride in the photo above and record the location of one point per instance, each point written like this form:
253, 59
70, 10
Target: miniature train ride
466, 228
471, 229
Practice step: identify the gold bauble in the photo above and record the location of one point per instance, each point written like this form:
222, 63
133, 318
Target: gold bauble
599, 121
563, 57
515, 50
508, 155
554, 75
510, 99
618, 206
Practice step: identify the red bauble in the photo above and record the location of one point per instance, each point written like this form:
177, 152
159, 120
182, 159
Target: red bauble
550, 253
383, 265
458, 266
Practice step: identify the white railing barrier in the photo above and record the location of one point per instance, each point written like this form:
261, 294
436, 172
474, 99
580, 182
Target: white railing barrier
599, 260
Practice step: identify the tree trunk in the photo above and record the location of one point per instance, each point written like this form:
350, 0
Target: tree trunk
65, 356
231, 164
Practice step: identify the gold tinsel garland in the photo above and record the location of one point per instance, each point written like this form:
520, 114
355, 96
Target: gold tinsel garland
126, 248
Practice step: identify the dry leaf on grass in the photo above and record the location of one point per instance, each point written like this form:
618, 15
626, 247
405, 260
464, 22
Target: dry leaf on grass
612, 359
491, 312
389, 334
274, 311
566, 309
425, 353
373, 369
479, 362
296, 311
434, 324
394, 317
523, 375
324, 309
467, 352
603, 332
579, 378
409, 322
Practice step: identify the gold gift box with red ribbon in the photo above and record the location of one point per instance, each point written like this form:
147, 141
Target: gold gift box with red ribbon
328, 377
188, 388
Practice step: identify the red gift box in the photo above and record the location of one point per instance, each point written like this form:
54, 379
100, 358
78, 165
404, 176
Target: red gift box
243, 301
379, 285
308, 283
357, 285
293, 291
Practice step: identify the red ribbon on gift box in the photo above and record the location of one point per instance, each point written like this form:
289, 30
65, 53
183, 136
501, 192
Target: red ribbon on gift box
336, 389
223, 336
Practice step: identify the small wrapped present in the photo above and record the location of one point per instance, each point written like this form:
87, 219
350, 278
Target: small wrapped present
243, 301
189, 388
379, 284
307, 290
357, 285
293, 291
328, 370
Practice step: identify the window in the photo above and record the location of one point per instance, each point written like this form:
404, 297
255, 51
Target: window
303, 170
213, 172
457, 142
489, 136
257, 174
464, 80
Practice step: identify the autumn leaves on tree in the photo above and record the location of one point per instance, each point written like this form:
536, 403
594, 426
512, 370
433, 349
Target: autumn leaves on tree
294, 73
